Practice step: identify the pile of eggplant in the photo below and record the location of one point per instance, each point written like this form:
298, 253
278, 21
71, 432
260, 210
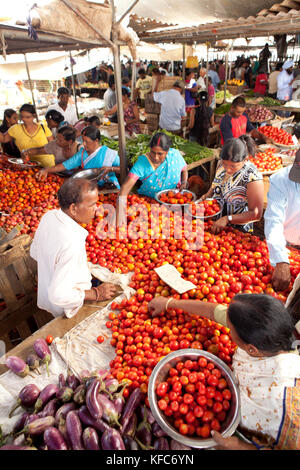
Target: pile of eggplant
42, 355
89, 413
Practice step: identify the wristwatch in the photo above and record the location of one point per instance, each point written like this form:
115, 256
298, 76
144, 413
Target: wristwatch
229, 217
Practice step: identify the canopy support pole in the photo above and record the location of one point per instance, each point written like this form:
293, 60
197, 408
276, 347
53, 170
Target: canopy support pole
118, 91
127, 11
73, 84
226, 74
30, 86
183, 62
133, 78
207, 48
172, 69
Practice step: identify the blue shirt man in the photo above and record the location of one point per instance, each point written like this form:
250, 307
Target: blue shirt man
172, 107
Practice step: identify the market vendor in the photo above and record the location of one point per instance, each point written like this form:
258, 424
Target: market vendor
236, 123
55, 120
64, 106
284, 81
92, 155
131, 113
64, 280
265, 365
162, 168
10, 118
30, 134
238, 186
282, 221
143, 86
63, 147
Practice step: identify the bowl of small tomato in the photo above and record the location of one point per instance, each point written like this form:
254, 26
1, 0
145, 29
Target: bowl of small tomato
192, 392
208, 209
175, 197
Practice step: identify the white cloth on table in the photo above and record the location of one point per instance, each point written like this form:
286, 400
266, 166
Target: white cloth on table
69, 114
63, 274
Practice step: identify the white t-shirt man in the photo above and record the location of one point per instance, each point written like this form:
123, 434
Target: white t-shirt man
63, 275
172, 109
69, 114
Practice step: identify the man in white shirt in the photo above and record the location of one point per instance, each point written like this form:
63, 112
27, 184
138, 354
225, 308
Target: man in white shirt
67, 109
64, 280
109, 96
201, 80
282, 220
172, 106
284, 81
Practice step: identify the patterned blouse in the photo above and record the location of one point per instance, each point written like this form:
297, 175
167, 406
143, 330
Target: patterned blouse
231, 190
128, 116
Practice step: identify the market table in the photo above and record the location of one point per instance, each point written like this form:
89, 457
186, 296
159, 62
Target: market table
212, 164
56, 328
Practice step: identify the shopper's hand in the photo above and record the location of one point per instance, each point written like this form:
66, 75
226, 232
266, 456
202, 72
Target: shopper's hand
42, 174
183, 185
230, 443
107, 291
219, 225
157, 305
281, 276
105, 170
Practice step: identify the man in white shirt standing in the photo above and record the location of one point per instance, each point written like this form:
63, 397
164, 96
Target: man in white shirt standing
67, 109
172, 106
284, 81
64, 280
282, 221
201, 80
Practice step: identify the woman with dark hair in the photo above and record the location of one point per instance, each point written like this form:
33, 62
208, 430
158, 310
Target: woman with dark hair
201, 118
161, 168
63, 147
30, 134
131, 113
10, 118
264, 364
55, 120
92, 155
237, 185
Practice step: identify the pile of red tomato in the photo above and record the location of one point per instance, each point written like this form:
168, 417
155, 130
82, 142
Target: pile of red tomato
266, 161
280, 136
172, 197
195, 397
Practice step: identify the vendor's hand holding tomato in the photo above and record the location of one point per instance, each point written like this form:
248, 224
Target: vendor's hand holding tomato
281, 277
157, 305
106, 291
42, 174
184, 185
220, 224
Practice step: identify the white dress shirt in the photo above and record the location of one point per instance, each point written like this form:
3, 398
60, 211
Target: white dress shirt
69, 114
63, 275
282, 216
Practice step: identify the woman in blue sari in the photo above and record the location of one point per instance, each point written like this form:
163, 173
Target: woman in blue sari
92, 155
162, 168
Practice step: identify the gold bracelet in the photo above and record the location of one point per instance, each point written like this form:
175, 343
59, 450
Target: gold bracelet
169, 300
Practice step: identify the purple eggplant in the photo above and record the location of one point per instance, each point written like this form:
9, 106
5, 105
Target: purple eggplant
72, 381
118, 399
93, 400
130, 443
87, 420
141, 411
90, 439
79, 395
63, 411
42, 350
31, 419
19, 425
50, 408
62, 427
27, 397
46, 395
143, 434
21, 440
157, 431
62, 381
131, 427
175, 445
133, 402
54, 439
17, 366
39, 426
16, 447
33, 362
74, 430
111, 385
110, 414
161, 443
112, 440
64, 394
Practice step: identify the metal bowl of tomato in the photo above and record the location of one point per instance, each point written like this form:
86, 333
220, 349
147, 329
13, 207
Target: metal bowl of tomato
174, 197
226, 423
214, 206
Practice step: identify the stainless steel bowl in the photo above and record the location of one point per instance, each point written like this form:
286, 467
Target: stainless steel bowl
207, 217
159, 374
91, 174
19, 163
157, 197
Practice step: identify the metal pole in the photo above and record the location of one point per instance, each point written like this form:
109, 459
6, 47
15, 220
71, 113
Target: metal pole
172, 69
226, 75
183, 62
30, 86
207, 47
118, 91
73, 84
133, 78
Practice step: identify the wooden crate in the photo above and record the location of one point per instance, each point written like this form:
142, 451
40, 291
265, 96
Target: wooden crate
151, 106
234, 89
167, 82
152, 122
19, 316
